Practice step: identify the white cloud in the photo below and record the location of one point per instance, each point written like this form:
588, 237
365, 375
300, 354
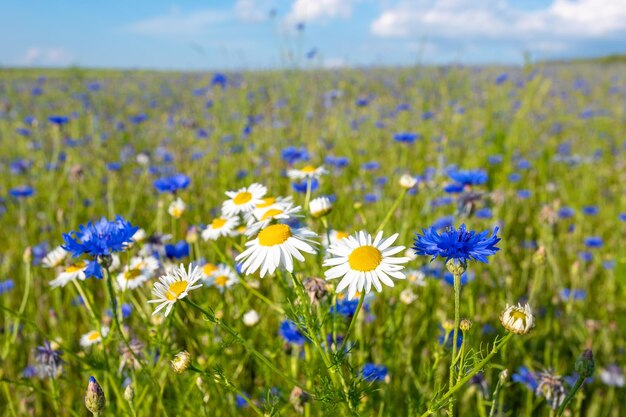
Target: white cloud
178, 23
499, 20
46, 56
310, 10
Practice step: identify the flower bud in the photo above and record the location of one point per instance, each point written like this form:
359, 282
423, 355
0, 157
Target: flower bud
94, 397
251, 318
129, 393
456, 267
407, 181
320, 207
181, 362
518, 319
585, 365
465, 325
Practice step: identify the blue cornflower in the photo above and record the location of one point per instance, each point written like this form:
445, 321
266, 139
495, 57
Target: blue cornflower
172, 183
99, 239
347, 308
450, 338
406, 137
177, 251
454, 188
58, 120
622, 217
575, 294
523, 194
6, 286
469, 177
291, 155
49, 360
566, 212
22, 191
240, 400
457, 244
290, 332
594, 242
301, 186
220, 79
585, 256
371, 166
590, 210
526, 377
372, 372
484, 213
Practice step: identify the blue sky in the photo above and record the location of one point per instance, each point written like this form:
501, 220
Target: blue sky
241, 34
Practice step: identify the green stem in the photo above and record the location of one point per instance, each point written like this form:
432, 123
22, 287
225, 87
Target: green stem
455, 335
307, 198
352, 321
468, 377
570, 395
391, 210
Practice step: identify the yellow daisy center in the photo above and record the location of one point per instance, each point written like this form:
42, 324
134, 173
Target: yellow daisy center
242, 198
208, 269
271, 213
308, 169
519, 315
218, 223
342, 235
267, 202
274, 235
132, 274
365, 258
176, 289
76, 267
221, 280
93, 336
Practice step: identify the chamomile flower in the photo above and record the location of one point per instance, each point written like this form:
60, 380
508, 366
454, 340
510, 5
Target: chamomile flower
268, 203
137, 272
244, 200
93, 337
207, 270
54, 258
275, 246
177, 208
221, 226
320, 207
306, 172
72, 272
221, 278
286, 212
336, 236
175, 286
518, 319
363, 262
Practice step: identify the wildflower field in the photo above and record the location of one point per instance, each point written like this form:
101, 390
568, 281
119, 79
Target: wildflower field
376, 242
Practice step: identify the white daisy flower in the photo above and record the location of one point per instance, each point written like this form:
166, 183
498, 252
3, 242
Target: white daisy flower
363, 263
177, 208
275, 246
221, 226
335, 237
207, 270
93, 337
175, 286
518, 319
268, 203
222, 277
137, 272
251, 318
285, 212
54, 258
244, 200
308, 171
320, 207
416, 277
72, 272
